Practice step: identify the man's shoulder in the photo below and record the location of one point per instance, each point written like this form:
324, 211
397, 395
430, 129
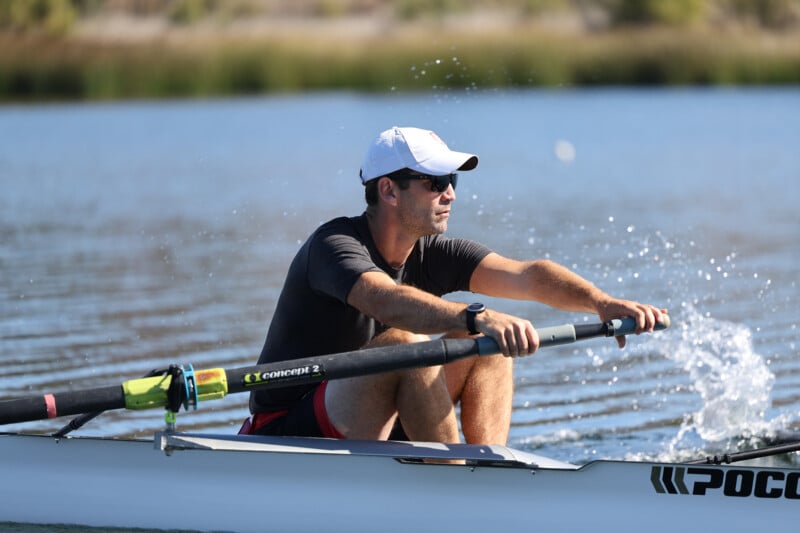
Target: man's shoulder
340, 221
341, 230
340, 225
454, 246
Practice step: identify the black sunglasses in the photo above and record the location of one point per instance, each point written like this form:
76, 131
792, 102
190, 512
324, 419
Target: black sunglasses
439, 184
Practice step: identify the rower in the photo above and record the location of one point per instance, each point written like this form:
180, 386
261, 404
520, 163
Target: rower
377, 279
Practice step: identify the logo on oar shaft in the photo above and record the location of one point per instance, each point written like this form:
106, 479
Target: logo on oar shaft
300, 373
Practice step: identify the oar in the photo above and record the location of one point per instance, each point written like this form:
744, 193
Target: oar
758, 453
178, 386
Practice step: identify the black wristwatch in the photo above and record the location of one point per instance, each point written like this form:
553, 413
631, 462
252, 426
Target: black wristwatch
472, 310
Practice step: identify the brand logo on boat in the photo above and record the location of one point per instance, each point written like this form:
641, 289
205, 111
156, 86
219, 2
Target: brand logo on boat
728, 482
284, 374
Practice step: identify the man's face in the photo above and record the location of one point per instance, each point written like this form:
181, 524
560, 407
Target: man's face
423, 211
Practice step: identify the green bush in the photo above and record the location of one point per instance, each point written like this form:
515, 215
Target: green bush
54, 16
669, 12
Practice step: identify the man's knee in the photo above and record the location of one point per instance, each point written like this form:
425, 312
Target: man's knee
394, 336
496, 363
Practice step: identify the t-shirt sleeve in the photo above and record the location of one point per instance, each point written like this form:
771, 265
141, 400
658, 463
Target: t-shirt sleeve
336, 261
447, 264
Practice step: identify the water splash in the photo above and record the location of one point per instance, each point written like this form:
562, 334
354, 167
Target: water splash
733, 381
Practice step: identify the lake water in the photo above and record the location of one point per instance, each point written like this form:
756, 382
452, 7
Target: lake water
135, 235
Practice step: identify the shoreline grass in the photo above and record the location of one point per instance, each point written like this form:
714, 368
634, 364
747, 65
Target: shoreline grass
35, 68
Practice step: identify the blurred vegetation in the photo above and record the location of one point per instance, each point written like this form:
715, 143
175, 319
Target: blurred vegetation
51, 49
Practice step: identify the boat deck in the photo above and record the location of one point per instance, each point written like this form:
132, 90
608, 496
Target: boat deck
401, 450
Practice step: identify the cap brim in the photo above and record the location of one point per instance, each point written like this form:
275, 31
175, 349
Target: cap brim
447, 163
470, 163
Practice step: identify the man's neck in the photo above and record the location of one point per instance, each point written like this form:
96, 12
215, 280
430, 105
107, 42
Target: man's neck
394, 244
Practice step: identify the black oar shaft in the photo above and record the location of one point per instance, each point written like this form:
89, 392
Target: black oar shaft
748, 455
61, 404
349, 364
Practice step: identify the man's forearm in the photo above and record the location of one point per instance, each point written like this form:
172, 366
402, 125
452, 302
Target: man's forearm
406, 307
557, 286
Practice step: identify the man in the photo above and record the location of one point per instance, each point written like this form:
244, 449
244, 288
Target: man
377, 279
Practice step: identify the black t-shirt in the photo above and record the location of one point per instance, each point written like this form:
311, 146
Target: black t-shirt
312, 316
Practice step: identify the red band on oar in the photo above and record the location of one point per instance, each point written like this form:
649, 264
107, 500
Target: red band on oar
50, 402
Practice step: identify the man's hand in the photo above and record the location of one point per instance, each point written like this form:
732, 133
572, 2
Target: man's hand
646, 316
515, 336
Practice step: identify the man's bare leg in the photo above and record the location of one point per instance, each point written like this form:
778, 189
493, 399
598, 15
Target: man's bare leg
366, 407
485, 387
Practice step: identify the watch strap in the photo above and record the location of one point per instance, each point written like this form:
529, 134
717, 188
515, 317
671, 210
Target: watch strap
472, 311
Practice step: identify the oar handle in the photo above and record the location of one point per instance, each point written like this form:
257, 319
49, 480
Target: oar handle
569, 333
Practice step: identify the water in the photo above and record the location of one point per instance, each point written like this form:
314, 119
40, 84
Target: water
135, 235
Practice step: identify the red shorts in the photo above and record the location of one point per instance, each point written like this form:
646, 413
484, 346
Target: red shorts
307, 418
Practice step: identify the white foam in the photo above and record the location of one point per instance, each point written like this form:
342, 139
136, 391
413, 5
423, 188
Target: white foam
733, 381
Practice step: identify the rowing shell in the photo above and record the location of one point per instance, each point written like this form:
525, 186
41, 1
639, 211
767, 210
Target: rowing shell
252, 483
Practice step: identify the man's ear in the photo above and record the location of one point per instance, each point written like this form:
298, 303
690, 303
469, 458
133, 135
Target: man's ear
387, 190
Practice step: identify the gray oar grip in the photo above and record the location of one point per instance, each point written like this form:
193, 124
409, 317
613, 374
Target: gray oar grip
549, 336
621, 326
554, 335
627, 326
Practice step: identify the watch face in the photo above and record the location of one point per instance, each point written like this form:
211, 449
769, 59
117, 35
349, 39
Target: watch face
476, 308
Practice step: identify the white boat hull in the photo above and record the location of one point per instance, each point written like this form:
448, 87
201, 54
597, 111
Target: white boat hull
272, 484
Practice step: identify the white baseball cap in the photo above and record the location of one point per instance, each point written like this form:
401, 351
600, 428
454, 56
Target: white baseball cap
419, 150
